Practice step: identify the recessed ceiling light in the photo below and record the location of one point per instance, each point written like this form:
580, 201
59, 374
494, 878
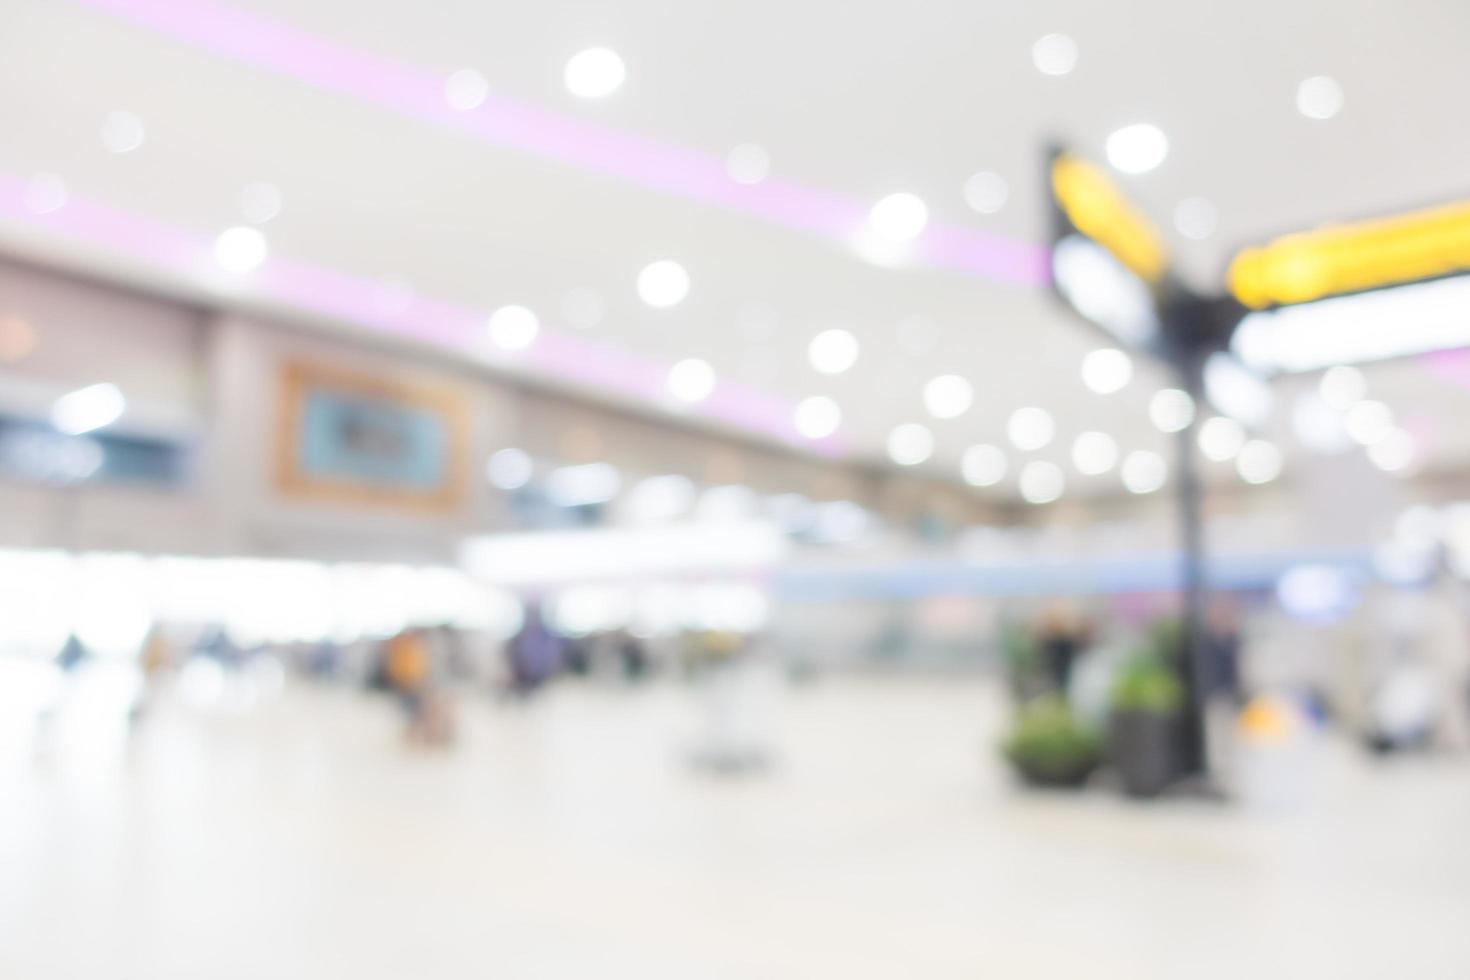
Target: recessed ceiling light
899, 217
663, 283
910, 444
1171, 409
122, 132
240, 249
509, 469
513, 327
1342, 387
45, 192
1054, 54
1319, 97
1394, 452
1042, 482
832, 351
1194, 217
691, 380
1106, 370
594, 73
748, 163
948, 396
817, 417
1030, 428
1094, 453
983, 465
260, 201
582, 308
1144, 471
986, 192
1138, 148
1258, 462
1220, 438
466, 89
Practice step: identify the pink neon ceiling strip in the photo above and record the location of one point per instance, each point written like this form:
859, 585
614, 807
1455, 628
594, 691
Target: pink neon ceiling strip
283, 50
187, 255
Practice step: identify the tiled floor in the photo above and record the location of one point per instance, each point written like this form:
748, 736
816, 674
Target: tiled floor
568, 838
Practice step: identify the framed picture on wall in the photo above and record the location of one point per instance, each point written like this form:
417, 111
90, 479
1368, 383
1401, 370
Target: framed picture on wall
356, 438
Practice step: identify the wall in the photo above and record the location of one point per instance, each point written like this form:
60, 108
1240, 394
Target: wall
211, 378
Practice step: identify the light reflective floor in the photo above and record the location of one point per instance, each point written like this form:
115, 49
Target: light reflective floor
568, 838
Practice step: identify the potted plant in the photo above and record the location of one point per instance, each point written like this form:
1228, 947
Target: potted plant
1143, 729
1048, 746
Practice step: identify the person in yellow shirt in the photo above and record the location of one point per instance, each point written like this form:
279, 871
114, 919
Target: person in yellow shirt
407, 668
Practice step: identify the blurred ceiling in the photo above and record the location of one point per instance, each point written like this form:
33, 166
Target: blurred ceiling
851, 101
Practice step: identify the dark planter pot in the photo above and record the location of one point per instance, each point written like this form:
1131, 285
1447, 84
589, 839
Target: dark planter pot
1054, 777
1143, 745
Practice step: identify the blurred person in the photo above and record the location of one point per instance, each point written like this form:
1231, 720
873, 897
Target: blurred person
632, 654
406, 671
155, 660
576, 654
375, 655
215, 643
1061, 638
1229, 747
1222, 652
157, 656
72, 653
324, 660
533, 654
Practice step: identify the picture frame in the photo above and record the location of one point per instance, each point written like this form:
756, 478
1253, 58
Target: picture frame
359, 439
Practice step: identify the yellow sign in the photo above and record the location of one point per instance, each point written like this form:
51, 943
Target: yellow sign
1097, 209
1338, 259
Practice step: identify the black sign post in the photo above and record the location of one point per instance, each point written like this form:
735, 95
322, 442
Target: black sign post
1103, 243
1194, 328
